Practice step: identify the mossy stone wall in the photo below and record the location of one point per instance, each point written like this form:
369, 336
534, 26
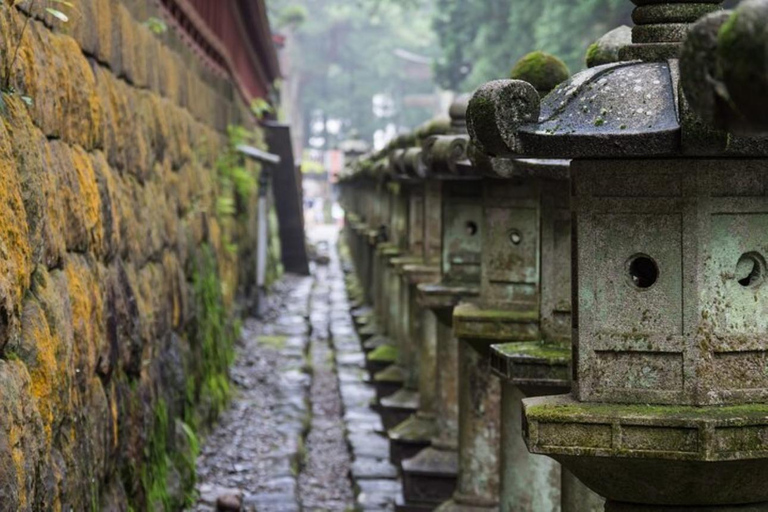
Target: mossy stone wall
108, 226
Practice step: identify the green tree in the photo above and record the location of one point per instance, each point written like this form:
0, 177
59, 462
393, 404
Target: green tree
344, 53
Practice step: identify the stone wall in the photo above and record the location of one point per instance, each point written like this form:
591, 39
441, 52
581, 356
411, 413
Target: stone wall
118, 276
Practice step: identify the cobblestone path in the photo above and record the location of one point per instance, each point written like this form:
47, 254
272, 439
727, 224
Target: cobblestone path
324, 481
300, 434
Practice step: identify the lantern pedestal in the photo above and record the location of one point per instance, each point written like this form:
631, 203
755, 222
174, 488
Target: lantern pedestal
416, 432
656, 457
430, 476
480, 401
411, 436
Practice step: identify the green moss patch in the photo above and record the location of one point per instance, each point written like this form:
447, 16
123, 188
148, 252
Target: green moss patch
542, 70
548, 352
384, 353
276, 342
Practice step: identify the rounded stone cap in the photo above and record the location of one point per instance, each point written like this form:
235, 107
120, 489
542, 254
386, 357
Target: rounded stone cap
458, 109
606, 49
437, 126
542, 70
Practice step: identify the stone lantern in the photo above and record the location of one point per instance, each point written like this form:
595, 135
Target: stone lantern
358, 188
408, 175
429, 478
415, 433
526, 225
666, 409
541, 365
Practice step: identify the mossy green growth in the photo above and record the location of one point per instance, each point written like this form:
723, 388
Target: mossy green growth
726, 36
161, 459
391, 373
542, 70
549, 352
275, 269
592, 53
384, 353
468, 312
276, 342
566, 412
212, 337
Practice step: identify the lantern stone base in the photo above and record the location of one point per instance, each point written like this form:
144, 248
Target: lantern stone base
656, 457
367, 332
429, 478
378, 359
398, 407
402, 506
467, 504
419, 273
487, 326
411, 436
364, 322
536, 368
388, 381
373, 342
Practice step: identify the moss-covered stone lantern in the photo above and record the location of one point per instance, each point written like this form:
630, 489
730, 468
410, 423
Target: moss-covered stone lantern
414, 433
667, 407
429, 478
408, 175
358, 194
506, 309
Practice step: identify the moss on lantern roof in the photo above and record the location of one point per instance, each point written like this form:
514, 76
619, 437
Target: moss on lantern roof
542, 70
567, 409
539, 350
384, 353
437, 126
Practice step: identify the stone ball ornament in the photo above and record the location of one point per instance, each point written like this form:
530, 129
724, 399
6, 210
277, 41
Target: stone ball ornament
542, 70
606, 49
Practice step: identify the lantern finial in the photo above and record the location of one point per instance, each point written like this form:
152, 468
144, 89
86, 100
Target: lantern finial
661, 26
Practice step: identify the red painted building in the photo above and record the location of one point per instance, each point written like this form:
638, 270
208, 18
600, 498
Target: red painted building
233, 37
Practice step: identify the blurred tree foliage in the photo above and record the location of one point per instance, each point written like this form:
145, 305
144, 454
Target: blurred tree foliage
343, 53
482, 39
488, 36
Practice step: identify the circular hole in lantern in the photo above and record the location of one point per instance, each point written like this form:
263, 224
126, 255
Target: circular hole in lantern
750, 269
471, 228
515, 237
643, 271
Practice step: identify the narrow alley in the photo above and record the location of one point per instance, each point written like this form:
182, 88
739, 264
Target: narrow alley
300, 433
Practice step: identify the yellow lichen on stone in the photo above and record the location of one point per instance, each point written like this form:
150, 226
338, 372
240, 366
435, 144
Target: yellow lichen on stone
110, 210
42, 365
89, 198
15, 252
85, 297
82, 118
126, 46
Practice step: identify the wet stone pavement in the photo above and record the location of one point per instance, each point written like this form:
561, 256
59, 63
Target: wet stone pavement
300, 434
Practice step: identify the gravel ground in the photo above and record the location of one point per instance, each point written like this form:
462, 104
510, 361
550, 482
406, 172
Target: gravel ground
282, 446
324, 481
255, 448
